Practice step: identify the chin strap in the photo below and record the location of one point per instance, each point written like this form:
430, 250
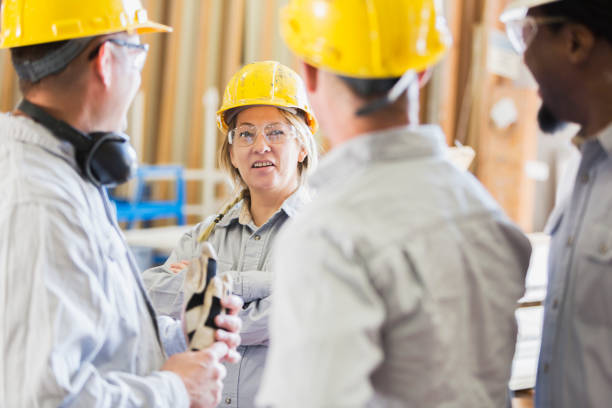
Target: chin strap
393, 95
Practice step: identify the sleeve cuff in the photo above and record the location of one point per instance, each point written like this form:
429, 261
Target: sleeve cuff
251, 285
177, 395
172, 336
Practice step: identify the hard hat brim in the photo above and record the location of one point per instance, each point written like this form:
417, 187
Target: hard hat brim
146, 28
153, 27
519, 8
222, 119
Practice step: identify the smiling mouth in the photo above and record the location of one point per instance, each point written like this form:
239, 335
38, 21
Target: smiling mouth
260, 164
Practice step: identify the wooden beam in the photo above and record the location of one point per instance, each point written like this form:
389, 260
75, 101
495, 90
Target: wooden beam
170, 78
186, 74
269, 29
447, 108
7, 82
152, 80
234, 35
168, 94
502, 153
203, 63
252, 30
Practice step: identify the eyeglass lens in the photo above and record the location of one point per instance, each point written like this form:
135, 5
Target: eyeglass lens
274, 133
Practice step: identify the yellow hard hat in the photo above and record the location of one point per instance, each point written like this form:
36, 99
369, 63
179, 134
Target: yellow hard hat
366, 38
29, 22
265, 83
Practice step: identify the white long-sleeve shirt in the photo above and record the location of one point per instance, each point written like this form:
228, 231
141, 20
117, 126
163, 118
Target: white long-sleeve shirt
397, 286
76, 325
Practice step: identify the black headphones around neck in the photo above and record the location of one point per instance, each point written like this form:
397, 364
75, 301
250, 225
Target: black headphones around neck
105, 158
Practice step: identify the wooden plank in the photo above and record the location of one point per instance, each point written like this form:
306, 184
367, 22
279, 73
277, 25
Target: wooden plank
471, 16
444, 100
470, 67
168, 95
169, 90
186, 73
203, 59
214, 45
252, 30
152, 80
269, 30
261, 30
234, 35
503, 153
8, 81
202, 63
447, 107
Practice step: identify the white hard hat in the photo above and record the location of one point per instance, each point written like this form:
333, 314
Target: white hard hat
519, 8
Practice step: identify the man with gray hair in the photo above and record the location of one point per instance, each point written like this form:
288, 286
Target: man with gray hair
77, 326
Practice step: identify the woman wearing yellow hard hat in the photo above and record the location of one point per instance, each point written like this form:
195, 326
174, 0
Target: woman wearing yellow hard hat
268, 151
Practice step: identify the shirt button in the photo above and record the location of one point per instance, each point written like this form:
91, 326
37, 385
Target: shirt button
585, 178
228, 400
257, 237
603, 249
570, 241
555, 304
545, 367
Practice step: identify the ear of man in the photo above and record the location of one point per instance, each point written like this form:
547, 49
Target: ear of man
103, 64
580, 42
310, 75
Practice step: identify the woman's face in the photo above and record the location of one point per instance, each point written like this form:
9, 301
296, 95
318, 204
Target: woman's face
266, 166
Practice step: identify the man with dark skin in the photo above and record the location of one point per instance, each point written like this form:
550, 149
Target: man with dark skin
567, 45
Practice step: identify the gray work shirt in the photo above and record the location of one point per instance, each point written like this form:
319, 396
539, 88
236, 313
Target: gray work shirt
77, 328
405, 275
575, 366
244, 251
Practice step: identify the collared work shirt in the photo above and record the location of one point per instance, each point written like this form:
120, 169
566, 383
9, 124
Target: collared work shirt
397, 286
77, 329
244, 251
575, 366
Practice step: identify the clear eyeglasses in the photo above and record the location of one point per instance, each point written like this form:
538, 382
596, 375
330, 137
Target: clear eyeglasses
139, 51
522, 31
274, 133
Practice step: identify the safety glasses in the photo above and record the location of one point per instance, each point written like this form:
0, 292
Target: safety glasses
523, 31
274, 133
138, 51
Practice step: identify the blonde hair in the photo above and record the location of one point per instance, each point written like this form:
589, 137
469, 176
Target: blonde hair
304, 136
307, 166
209, 229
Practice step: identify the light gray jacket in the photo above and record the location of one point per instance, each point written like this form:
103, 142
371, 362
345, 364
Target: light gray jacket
245, 251
405, 276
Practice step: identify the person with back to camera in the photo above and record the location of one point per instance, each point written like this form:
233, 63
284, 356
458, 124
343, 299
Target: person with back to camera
404, 272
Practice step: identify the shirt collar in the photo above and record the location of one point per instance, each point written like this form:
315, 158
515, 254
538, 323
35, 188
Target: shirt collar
240, 213
605, 138
400, 143
26, 130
